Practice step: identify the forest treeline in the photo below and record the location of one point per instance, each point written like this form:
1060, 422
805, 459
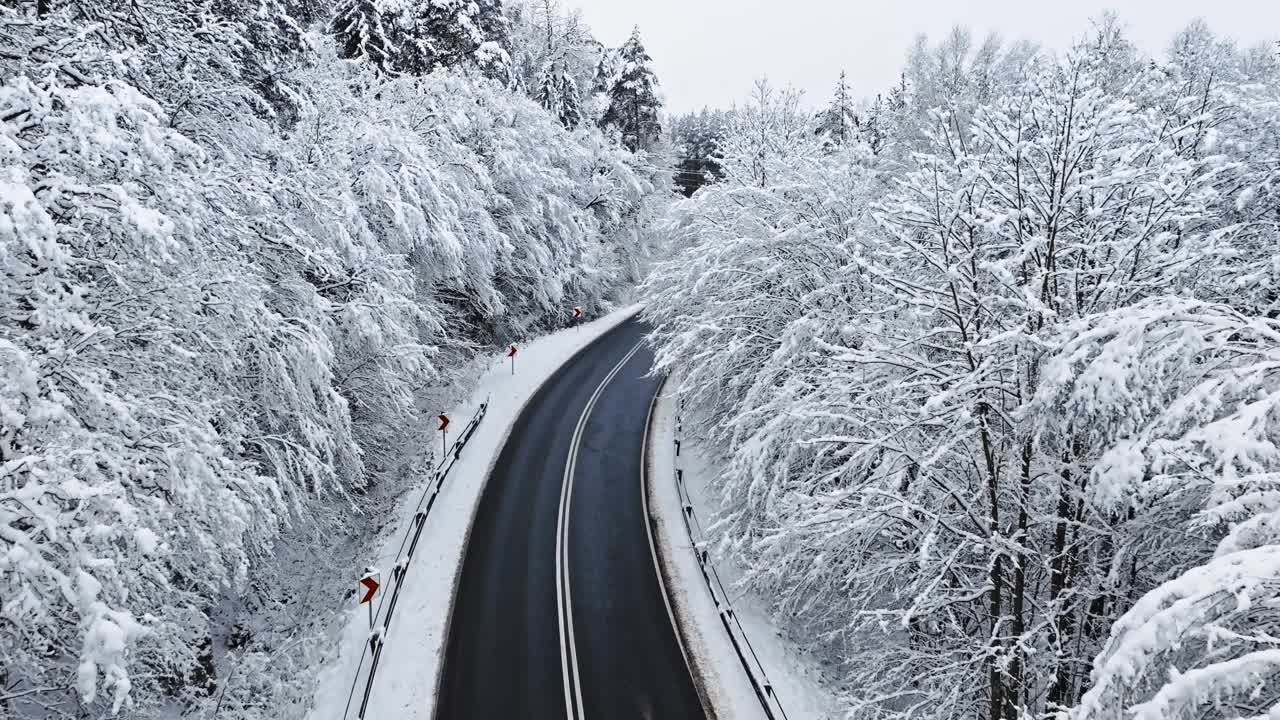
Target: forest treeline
247, 247
992, 367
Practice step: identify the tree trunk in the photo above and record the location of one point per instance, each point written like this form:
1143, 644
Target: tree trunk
995, 606
1058, 580
1019, 626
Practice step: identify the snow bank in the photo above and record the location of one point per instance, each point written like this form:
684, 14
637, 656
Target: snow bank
795, 677
404, 688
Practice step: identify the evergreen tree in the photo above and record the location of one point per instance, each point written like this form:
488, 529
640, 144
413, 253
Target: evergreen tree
633, 97
558, 93
607, 71
697, 138
544, 34
274, 39
448, 33
839, 122
361, 34
873, 130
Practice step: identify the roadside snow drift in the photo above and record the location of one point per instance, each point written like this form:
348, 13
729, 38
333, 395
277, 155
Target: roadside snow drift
405, 685
794, 675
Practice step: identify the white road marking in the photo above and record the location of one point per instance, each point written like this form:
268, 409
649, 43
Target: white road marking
564, 600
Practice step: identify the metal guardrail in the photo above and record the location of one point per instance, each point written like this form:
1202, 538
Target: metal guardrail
724, 607
368, 667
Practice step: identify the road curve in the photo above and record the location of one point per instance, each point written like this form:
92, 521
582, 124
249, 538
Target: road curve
563, 617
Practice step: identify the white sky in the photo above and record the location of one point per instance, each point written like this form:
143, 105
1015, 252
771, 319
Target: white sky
708, 52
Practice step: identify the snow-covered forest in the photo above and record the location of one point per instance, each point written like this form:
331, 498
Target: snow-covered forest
993, 362
989, 361
247, 248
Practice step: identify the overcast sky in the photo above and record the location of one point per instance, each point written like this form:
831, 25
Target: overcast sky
707, 52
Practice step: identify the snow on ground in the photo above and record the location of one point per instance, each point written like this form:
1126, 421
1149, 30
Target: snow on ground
796, 675
405, 686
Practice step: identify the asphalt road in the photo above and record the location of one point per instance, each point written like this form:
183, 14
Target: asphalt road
568, 621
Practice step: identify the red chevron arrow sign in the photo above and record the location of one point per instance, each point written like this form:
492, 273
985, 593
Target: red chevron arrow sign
370, 583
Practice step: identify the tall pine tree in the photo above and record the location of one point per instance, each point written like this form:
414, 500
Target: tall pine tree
558, 93
839, 122
361, 33
697, 139
448, 33
875, 128
633, 98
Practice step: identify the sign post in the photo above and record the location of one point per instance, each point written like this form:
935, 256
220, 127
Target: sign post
371, 585
444, 435
512, 354
577, 315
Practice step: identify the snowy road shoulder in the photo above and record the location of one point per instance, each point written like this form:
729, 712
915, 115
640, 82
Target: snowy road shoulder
716, 663
405, 687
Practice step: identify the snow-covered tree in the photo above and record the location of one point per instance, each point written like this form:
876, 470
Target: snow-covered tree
1182, 399
1000, 398
358, 27
697, 138
558, 94
545, 37
633, 97
448, 33
231, 278
769, 140
839, 122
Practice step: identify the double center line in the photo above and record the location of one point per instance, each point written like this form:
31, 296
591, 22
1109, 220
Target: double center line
564, 599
